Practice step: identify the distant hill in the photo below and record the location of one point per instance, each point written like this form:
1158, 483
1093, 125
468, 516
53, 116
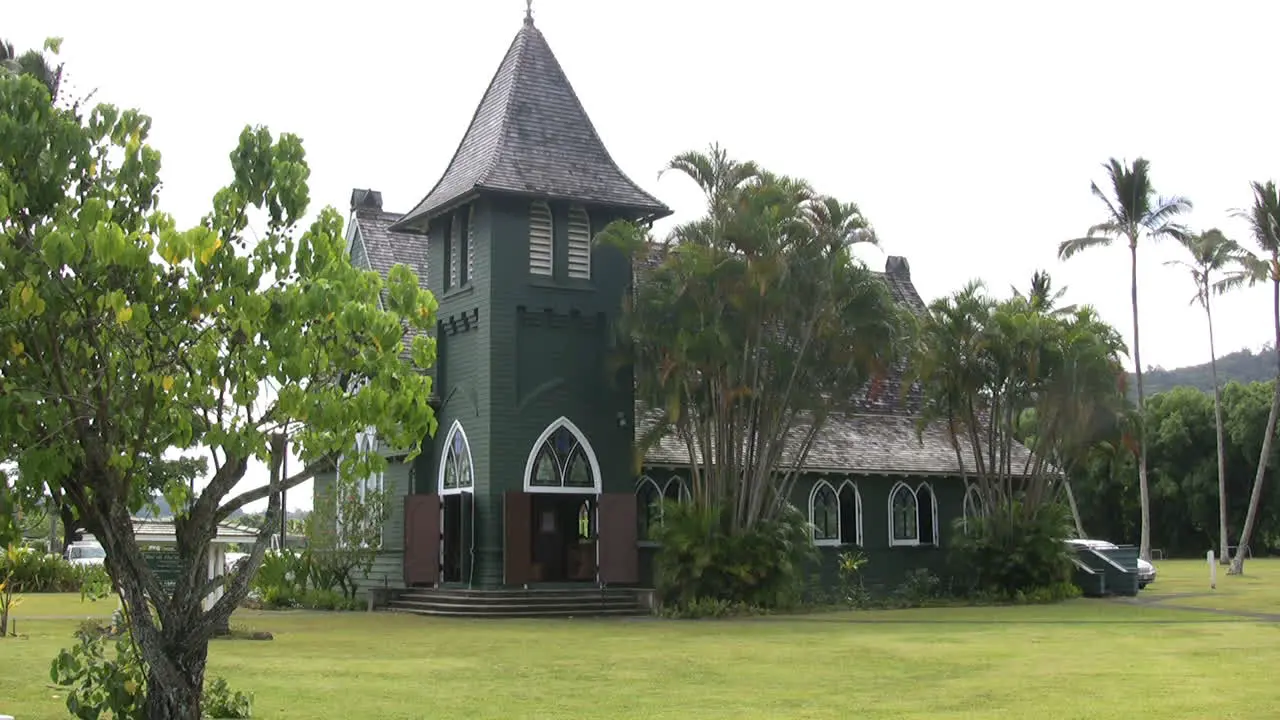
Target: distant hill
1244, 366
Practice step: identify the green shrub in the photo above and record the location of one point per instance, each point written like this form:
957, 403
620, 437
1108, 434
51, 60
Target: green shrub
98, 684
220, 701
327, 600
853, 591
289, 579
710, 608
1007, 552
32, 571
701, 561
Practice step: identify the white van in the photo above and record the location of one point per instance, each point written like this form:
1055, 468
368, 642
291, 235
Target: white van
85, 552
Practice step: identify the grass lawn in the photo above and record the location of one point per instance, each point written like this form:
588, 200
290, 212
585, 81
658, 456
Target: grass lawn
1092, 659
1186, 583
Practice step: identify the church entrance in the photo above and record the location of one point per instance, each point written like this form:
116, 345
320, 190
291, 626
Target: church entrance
562, 527
563, 538
455, 537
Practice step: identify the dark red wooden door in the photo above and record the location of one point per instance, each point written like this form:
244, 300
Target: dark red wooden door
619, 555
421, 539
517, 554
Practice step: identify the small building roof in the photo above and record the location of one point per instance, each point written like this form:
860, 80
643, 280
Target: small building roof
160, 531
531, 136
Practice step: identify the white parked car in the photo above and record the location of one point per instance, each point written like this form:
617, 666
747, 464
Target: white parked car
85, 553
1146, 571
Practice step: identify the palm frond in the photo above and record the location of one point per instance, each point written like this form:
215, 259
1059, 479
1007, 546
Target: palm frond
1069, 248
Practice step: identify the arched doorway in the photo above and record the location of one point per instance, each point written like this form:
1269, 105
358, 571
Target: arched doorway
456, 487
562, 476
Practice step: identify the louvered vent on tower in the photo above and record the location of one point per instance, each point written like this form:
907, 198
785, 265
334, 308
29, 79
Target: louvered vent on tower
471, 243
540, 234
455, 249
579, 243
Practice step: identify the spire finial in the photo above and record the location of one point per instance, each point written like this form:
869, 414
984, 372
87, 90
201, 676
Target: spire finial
528, 12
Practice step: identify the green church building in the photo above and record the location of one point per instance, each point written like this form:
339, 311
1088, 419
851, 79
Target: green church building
529, 482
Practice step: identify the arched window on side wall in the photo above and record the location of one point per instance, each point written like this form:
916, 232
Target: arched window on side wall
676, 490
648, 508
824, 514
904, 516
850, 514
928, 514
972, 509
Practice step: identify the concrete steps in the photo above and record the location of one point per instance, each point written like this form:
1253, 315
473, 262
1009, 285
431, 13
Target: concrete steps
560, 603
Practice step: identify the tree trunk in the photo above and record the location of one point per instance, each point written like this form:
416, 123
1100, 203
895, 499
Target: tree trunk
53, 529
1144, 493
1075, 511
68, 517
1255, 498
176, 685
1224, 539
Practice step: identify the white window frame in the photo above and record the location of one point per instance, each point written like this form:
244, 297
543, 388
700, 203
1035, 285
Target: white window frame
366, 441
857, 511
682, 494
933, 515
454, 430
933, 506
972, 506
587, 450
893, 493
813, 509
641, 484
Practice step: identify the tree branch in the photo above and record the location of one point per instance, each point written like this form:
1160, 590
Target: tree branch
267, 490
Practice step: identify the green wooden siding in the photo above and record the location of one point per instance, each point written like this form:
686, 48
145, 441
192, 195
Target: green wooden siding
388, 566
887, 565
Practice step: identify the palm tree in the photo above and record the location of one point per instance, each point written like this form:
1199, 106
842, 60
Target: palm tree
1264, 222
1134, 211
1211, 252
1042, 297
33, 63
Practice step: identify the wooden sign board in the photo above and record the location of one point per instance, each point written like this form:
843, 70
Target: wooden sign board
166, 565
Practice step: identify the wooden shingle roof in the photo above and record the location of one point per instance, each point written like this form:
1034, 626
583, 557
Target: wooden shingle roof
375, 246
531, 136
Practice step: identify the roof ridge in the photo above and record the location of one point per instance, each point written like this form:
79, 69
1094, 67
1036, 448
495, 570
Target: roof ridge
582, 110
462, 141
521, 38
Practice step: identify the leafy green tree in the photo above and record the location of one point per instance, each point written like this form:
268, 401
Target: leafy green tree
1211, 253
34, 63
1134, 211
984, 365
344, 531
1264, 223
750, 328
123, 337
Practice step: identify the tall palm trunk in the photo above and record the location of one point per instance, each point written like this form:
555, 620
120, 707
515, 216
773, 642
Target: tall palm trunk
1237, 562
1223, 536
1144, 494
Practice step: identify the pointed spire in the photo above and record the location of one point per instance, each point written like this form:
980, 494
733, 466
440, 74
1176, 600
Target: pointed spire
531, 136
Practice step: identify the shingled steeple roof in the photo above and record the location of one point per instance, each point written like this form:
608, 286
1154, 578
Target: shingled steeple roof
531, 136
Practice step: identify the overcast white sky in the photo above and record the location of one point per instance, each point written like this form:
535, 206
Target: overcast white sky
968, 132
